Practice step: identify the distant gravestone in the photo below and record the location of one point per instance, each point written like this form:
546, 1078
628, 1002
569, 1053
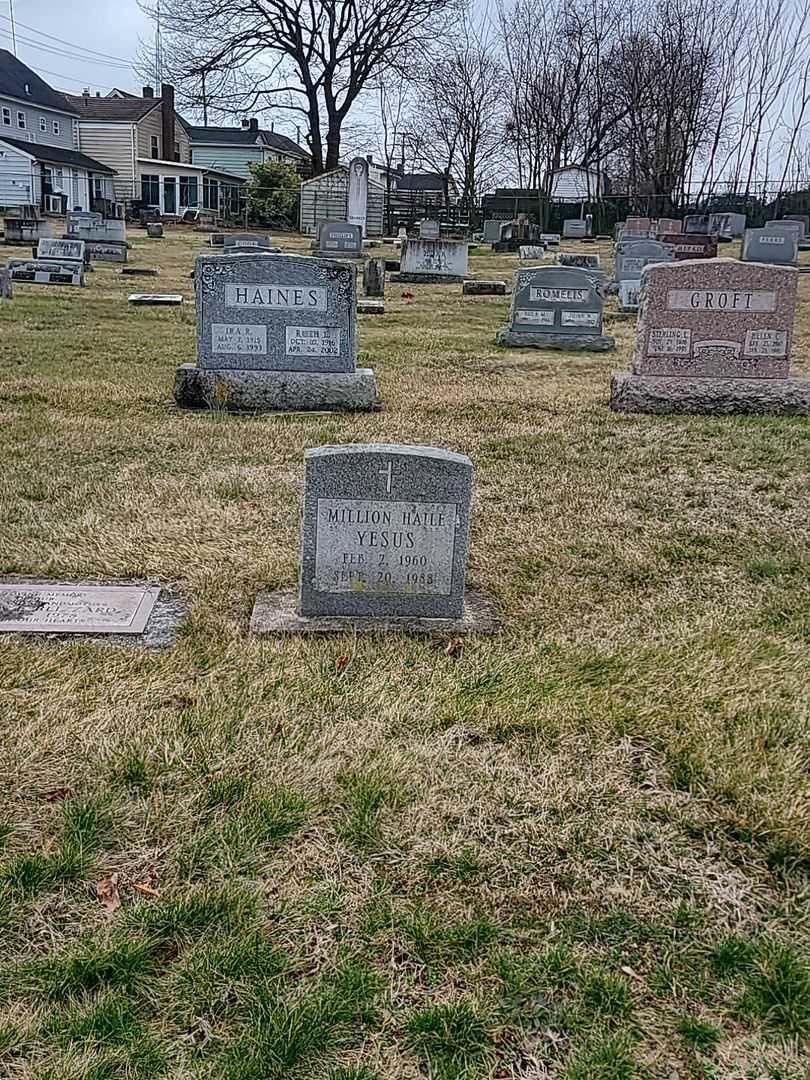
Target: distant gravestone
6, 291
154, 231
275, 332
429, 229
433, 261
339, 238
216, 239
46, 271
107, 250
637, 226
714, 337
550, 239
584, 262
492, 231
374, 277
483, 288
789, 228
155, 299
76, 220
93, 227
247, 241
73, 250
531, 252
141, 271
689, 246
556, 307
803, 219
25, 230
668, 225
367, 306
633, 255
780, 248
629, 294
357, 204
697, 223
574, 229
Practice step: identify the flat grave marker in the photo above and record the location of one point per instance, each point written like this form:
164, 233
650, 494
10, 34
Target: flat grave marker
156, 299
75, 609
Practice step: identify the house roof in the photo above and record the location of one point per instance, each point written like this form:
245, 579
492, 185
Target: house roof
226, 136
126, 109
420, 182
58, 155
15, 75
190, 167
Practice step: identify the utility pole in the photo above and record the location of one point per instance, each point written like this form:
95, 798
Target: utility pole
13, 30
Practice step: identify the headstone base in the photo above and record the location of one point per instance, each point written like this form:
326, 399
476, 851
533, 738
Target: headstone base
141, 271
429, 279
370, 307
484, 288
276, 613
676, 395
243, 390
564, 342
343, 256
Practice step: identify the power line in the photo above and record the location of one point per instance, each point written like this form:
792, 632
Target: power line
62, 52
61, 41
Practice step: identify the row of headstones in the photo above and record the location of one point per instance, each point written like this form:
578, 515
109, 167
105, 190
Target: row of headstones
384, 545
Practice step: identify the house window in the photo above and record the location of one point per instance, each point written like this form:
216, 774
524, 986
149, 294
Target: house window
7, 117
177, 151
21, 120
98, 187
150, 190
155, 148
43, 124
56, 127
189, 194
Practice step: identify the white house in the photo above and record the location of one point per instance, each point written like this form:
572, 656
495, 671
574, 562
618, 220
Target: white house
574, 183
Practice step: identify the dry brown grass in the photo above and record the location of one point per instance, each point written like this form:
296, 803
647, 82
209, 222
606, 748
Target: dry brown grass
539, 857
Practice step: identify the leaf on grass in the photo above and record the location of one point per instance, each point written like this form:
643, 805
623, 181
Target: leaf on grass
341, 662
454, 646
148, 886
57, 794
107, 892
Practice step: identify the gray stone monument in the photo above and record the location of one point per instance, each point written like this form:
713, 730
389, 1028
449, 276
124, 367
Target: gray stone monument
633, 255
550, 239
62, 250
574, 229
629, 294
154, 230
384, 540
778, 247
374, 277
429, 229
582, 262
483, 288
556, 307
531, 252
46, 272
248, 242
275, 332
492, 231
107, 250
338, 239
433, 261
714, 337
357, 205
6, 291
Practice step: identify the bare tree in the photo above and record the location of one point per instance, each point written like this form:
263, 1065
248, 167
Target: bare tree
310, 57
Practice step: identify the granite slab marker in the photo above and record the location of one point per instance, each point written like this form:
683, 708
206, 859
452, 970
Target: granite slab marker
556, 307
689, 246
107, 250
574, 229
155, 299
46, 272
433, 261
357, 198
633, 255
248, 242
583, 262
710, 334
429, 229
374, 277
338, 239
483, 288
275, 332
777, 247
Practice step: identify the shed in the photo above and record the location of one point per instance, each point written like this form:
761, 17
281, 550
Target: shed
574, 183
326, 198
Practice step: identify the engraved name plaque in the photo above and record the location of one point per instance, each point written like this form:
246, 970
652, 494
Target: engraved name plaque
75, 609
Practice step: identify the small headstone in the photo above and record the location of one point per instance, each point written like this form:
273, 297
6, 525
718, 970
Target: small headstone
370, 307
429, 229
689, 246
436, 261
18, 230
629, 294
574, 229
789, 228
637, 226
48, 608
46, 272
107, 250
697, 223
216, 239
668, 225
584, 262
141, 271
154, 231
550, 239
156, 299
6, 291
532, 252
374, 277
556, 307
275, 332
714, 337
633, 255
339, 239
803, 219
483, 288
247, 241
73, 250
492, 231
385, 532
774, 246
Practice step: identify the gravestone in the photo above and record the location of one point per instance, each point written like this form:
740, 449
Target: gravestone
93, 227
690, 246
629, 291
216, 239
357, 206
384, 542
46, 272
637, 226
584, 262
247, 241
697, 223
370, 307
633, 255
483, 288
76, 220
6, 291
774, 246
17, 230
668, 225
433, 261
154, 231
532, 252
275, 332
107, 250
803, 219
492, 231
556, 307
429, 229
141, 271
155, 299
788, 228
374, 277
62, 250
338, 239
47, 608
550, 239
714, 337
574, 229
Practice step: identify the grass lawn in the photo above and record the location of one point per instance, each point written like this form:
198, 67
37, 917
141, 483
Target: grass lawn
579, 850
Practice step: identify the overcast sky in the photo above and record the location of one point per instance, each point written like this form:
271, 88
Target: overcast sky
80, 29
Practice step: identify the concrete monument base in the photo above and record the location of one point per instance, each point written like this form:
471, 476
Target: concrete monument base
243, 390
370, 307
275, 613
428, 279
483, 288
564, 342
673, 394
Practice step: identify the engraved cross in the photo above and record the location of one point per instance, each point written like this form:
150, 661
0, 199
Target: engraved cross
387, 474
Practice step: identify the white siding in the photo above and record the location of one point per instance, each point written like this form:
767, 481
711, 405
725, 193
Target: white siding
112, 145
33, 114
325, 198
18, 186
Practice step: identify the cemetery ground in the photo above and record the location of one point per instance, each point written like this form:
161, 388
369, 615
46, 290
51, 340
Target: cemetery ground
578, 849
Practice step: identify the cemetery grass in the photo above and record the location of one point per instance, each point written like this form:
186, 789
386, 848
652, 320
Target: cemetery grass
579, 849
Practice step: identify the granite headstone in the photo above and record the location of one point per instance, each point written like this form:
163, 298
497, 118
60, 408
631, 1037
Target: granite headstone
633, 255
774, 246
556, 307
436, 261
339, 239
689, 246
357, 201
574, 229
